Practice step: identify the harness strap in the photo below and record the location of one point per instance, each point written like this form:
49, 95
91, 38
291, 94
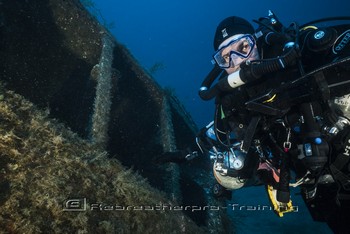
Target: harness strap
248, 138
341, 177
340, 162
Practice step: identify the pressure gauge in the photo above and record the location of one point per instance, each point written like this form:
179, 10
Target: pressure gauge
237, 164
235, 159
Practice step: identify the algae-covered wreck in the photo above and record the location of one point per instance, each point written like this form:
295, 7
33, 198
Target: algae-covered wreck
76, 112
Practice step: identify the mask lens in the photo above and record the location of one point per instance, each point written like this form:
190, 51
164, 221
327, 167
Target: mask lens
242, 47
222, 60
235, 51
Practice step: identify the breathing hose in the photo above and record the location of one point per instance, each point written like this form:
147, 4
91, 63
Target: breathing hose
205, 92
251, 70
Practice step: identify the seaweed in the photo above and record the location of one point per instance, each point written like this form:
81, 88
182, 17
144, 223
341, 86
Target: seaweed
43, 163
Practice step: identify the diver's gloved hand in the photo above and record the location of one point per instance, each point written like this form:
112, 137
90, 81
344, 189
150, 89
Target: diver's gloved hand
179, 156
191, 155
268, 174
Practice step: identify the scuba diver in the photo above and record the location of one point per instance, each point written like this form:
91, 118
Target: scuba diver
282, 101
232, 170
282, 118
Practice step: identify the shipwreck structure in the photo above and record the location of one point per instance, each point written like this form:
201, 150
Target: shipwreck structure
77, 111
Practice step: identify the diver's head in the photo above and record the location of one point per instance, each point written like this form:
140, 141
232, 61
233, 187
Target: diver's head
234, 43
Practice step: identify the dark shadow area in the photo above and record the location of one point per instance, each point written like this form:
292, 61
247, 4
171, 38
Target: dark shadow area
38, 62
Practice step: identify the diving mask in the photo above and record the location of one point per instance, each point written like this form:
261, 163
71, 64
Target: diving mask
236, 51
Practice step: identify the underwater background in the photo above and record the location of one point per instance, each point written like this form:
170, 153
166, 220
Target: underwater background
173, 40
178, 35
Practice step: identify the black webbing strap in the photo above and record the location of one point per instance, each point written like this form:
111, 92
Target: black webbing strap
249, 134
340, 162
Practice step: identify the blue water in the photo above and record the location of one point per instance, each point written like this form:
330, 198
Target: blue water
179, 34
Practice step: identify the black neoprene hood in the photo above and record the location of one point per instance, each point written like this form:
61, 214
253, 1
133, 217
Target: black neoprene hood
231, 26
